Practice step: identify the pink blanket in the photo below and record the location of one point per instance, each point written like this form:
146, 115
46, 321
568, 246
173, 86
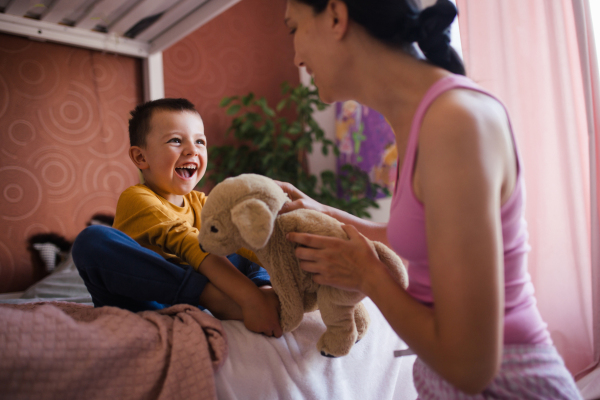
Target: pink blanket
65, 351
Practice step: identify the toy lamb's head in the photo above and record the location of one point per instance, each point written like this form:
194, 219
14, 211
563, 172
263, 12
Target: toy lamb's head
240, 212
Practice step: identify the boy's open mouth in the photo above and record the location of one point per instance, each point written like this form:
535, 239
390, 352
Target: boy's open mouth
186, 171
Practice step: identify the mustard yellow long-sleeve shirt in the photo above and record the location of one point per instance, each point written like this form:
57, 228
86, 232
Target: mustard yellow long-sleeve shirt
167, 229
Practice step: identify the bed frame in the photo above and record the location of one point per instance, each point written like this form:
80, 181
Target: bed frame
136, 28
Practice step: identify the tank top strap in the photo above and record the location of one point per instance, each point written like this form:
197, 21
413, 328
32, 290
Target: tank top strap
438, 88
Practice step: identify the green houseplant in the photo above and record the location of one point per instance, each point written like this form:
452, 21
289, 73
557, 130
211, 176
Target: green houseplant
277, 147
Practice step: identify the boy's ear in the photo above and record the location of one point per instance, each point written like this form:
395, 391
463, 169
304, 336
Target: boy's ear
138, 157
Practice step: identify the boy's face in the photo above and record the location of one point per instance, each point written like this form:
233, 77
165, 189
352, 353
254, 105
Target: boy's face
175, 156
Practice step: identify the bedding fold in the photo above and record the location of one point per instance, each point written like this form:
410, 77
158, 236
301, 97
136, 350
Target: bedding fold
60, 350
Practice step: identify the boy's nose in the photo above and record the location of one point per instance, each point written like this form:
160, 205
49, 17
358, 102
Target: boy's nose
189, 150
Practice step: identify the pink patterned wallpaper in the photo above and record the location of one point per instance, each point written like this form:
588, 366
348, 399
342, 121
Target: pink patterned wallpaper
63, 143
247, 48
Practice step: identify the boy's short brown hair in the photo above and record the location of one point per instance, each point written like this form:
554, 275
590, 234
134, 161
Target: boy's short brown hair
139, 123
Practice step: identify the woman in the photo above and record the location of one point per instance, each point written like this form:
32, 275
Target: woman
469, 312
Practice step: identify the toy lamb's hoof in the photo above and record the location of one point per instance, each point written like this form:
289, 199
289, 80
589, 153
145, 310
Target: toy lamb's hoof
327, 355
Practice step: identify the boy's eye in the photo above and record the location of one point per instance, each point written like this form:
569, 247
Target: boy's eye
201, 141
175, 140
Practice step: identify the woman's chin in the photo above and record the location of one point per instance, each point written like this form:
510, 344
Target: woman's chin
328, 96
325, 97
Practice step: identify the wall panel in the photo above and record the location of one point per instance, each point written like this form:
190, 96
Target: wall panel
63, 143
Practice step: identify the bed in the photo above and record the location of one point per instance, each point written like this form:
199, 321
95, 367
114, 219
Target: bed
51, 332
251, 366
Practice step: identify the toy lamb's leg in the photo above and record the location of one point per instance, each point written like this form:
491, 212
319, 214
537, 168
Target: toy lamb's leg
362, 320
292, 307
310, 302
292, 311
290, 300
337, 312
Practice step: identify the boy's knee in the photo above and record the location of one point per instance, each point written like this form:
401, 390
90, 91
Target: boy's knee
89, 241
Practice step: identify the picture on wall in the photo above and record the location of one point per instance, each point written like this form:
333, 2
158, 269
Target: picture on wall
366, 140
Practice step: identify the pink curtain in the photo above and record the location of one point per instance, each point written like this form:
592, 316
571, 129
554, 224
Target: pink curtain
591, 79
527, 54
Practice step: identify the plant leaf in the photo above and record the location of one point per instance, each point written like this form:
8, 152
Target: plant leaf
234, 109
226, 100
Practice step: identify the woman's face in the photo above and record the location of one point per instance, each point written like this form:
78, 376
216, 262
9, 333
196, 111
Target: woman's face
313, 40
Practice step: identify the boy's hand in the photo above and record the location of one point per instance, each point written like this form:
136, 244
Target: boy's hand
261, 313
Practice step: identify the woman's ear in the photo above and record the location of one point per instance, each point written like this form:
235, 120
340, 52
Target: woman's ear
338, 14
138, 157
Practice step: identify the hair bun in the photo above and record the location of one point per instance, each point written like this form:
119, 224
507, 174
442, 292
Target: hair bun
431, 30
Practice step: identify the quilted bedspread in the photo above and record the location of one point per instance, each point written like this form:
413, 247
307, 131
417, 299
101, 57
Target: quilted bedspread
59, 350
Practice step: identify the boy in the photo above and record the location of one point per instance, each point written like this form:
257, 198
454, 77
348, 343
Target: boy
153, 254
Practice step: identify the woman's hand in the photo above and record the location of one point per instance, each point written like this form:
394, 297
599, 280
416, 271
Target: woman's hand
345, 264
299, 200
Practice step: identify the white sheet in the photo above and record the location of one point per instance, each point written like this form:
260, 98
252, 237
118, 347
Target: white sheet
292, 368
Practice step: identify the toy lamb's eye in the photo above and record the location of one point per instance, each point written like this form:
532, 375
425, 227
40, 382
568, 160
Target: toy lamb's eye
214, 229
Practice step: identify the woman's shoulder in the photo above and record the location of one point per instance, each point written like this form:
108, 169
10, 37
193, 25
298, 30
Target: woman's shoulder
463, 114
465, 135
468, 102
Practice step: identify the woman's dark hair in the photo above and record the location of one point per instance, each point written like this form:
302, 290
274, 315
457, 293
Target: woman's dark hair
402, 22
139, 123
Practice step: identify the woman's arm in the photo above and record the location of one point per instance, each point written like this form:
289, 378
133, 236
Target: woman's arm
461, 170
373, 230
465, 169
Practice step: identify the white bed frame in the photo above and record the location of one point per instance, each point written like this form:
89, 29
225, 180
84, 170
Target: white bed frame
43, 20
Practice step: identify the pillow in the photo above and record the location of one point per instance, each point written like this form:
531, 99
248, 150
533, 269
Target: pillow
63, 283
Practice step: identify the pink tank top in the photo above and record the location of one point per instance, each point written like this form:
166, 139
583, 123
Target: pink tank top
406, 233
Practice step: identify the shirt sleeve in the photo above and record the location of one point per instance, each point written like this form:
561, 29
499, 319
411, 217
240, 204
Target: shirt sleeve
143, 217
249, 255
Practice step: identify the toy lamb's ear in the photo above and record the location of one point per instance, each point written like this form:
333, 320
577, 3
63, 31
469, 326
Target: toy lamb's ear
254, 221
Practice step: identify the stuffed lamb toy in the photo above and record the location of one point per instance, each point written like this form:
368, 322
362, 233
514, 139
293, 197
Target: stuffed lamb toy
242, 212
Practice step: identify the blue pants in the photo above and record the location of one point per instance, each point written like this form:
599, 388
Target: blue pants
118, 272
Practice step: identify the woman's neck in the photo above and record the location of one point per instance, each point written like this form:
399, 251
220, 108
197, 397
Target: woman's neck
390, 81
